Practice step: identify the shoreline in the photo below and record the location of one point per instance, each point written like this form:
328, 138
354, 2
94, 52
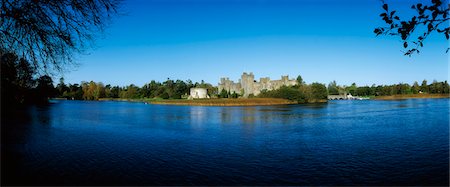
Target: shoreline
412, 96
259, 101
226, 102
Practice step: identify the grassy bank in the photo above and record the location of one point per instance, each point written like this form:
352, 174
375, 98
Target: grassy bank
412, 96
225, 102
120, 99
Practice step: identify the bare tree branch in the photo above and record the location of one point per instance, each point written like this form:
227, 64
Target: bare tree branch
47, 33
429, 19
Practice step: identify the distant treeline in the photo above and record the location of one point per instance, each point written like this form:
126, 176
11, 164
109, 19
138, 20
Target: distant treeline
177, 89
168, 89
385, 90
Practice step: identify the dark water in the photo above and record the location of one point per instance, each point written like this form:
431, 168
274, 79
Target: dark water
340, 143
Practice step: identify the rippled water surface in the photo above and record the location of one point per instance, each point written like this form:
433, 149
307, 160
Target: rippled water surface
340, 143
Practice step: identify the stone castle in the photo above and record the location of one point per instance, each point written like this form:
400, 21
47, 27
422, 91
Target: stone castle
247, 84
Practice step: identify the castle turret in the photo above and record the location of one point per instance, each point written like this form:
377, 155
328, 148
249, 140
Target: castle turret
247, 81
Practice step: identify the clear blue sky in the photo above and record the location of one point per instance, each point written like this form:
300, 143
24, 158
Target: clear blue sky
321, 40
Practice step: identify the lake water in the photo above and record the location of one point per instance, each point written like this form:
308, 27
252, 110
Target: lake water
340, 143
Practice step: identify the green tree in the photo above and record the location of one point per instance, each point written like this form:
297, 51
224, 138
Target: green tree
44, 89
319, 91
130, 92
115, 90
223, 94
146, 91
75, 92
99, 91
61, 87
363, 91
88, 90
415, 88
351, 89
180, 89
234, 95
165, 95
434, 87
108, 91
16, 79
169, 86
424, 86
333, 88
153, 87
25, 74
446, 88
300, 80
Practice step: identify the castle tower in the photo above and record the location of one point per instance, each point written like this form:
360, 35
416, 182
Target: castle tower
247, 83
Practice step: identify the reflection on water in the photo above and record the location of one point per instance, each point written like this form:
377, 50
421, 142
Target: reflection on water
198, 116
340, 143
248, 115
226, 115
263, 114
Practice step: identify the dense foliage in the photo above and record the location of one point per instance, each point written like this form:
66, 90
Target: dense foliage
224, 94
179, 89
385, 90
168, 89
302, 93
18, 85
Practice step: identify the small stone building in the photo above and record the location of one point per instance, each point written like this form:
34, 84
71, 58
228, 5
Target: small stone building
198, 93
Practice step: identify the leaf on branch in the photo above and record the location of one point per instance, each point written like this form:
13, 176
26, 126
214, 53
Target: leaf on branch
436, 2
426, 19
404, 35
385, 7
377, 31
430, 27
434, 14
392, 13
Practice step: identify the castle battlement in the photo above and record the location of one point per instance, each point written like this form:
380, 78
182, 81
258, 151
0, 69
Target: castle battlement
247, 84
